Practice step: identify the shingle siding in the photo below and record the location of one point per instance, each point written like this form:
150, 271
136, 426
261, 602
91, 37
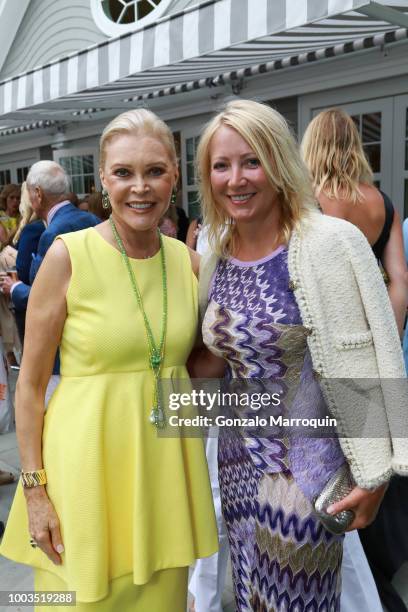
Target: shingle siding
51, 29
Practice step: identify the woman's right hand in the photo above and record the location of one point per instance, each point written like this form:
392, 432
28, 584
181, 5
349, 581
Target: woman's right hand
44, 524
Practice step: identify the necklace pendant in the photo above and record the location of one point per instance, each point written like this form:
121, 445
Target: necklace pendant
155, 360
157, 417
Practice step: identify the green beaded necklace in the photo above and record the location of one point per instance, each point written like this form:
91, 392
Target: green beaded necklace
156, 353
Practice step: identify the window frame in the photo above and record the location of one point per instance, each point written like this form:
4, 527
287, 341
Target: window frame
13, 167
80, 152
6, 168
111, 29
187, 135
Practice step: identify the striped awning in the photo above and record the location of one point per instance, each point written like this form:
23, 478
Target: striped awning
206, 40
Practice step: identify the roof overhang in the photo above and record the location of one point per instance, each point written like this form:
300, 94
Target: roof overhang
203, 46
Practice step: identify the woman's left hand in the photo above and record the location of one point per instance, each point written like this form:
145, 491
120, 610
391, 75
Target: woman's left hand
363, 502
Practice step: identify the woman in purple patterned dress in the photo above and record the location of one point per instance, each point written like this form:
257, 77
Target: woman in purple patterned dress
255, 191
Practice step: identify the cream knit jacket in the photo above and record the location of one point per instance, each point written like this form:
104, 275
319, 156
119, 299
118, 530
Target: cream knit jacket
352, 335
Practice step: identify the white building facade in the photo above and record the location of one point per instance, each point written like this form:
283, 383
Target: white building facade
67, 68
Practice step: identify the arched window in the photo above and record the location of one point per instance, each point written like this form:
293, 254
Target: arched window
115, 17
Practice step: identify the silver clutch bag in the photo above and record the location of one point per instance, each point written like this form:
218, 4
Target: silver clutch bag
335, 490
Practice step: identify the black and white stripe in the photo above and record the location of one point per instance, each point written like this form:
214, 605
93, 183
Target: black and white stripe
189, 49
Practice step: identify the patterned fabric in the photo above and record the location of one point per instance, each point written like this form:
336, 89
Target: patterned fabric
10, 224
282, 557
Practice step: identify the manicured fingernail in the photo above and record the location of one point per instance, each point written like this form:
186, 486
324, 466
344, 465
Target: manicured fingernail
330, 509
60, 548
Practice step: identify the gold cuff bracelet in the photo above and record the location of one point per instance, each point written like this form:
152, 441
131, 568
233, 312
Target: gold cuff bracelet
33, 479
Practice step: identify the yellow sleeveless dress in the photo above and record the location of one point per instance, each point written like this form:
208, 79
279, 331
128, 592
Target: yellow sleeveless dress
133, 506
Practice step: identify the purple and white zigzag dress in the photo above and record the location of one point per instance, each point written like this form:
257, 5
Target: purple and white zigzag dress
283, 559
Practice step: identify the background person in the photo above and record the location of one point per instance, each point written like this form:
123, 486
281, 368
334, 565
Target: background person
273, 310
9, 214
124, 511
197, 236
26, 241
83, 203
343, 183
47, 184
96, 207
11, 264
9, 219
27, 236
72, 197
182, 219
193, 232
168, 223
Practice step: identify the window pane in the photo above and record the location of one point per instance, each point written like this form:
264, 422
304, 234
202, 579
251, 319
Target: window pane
5, 177
22, 174
89, 183
144, 7
129, 15
88, 164
76, 163
190, 174
80, 168
371, 127
194, 209
65, 162
78, 184
190, 149
373, 153
112, 9
177, 143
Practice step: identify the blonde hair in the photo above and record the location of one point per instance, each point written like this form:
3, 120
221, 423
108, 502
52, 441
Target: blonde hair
271, 140
137, 121
26, 211
333, 152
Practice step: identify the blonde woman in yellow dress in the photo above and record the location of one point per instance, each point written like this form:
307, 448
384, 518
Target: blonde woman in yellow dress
118, 513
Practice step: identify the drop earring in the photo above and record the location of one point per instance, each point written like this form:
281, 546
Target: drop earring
105, 199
